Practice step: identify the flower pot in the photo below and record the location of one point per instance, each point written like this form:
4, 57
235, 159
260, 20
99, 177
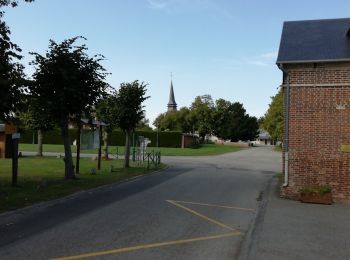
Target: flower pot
316, 197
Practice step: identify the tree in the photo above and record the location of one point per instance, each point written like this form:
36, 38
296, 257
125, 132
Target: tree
106, 111
202, 114
130, 111
12, 3
67, 84
274, 118
37, 119
222, 127
250, 128
11, 72
174, 121
143, 125
232, 122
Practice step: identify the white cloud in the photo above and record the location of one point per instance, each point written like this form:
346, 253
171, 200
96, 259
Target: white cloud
210, 6
157, 4
262, 60
258, 63
269, 55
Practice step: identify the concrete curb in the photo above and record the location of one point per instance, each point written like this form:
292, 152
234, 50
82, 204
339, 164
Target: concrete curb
249, 244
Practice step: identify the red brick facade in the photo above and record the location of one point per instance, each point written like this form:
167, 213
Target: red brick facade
319, 124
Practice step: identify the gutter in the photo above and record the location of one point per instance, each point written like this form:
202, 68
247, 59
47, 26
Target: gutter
286, 126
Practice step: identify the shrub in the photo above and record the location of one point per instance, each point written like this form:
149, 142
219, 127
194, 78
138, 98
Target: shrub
316, 189
116, 138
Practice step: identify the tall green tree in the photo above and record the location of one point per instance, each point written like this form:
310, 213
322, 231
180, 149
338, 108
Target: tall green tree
274, 118
67, 84
130, 111
35, 117
107, 112
232, 122
174, 120
202, 114
143, 125
11, 71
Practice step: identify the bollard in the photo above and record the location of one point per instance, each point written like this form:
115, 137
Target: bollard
148, 161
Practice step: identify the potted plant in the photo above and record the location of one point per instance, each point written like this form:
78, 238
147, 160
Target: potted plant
316, 194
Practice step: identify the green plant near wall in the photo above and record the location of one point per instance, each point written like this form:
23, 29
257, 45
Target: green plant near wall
322, 189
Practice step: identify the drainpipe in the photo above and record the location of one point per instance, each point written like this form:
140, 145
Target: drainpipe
286, 126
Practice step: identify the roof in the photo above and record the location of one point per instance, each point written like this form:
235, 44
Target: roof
171, 96
315, 41
264, 135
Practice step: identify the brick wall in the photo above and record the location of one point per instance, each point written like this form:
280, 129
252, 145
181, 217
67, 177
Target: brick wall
318, 128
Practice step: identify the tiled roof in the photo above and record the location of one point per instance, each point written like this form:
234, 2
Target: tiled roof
315, 41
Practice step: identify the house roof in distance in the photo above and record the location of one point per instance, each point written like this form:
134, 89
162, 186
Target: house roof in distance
315, 41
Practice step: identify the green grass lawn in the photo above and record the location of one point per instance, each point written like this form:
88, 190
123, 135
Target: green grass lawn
205, 149
35, 171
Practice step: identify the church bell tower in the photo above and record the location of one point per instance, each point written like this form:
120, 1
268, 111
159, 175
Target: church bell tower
172, 106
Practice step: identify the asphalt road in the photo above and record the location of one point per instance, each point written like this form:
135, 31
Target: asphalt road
199, 208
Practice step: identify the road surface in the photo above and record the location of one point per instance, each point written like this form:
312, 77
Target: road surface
198, 208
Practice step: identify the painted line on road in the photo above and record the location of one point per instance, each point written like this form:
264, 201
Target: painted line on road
214, 205
134, 248
202, 216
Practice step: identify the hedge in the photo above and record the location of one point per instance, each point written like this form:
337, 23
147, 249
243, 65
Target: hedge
116, 138
49, 137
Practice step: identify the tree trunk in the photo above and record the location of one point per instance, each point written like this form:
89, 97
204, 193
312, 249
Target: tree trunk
68, 160
40, 143
105, 145
99, 148
77, 168
127, 148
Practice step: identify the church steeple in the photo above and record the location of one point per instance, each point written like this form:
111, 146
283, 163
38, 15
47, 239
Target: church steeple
172, 106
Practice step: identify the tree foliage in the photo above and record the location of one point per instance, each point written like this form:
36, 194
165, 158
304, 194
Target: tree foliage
202, 114
225, 119
174, 121
12, 83
232, 122
67, 83
130, 110
273, 119
106, 111
34, 117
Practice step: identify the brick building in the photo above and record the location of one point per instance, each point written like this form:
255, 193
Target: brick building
314, 57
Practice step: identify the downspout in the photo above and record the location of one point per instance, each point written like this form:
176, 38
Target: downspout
286, 126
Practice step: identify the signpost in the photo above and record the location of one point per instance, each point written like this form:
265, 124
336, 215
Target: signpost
15, 138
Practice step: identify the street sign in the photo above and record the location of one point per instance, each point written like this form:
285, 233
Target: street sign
16, 136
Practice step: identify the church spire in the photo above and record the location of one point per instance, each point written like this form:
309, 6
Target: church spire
172, 106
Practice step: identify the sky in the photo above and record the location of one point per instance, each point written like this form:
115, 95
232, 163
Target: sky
225, 48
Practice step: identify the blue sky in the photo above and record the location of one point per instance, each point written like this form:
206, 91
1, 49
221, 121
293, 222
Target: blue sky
223, 48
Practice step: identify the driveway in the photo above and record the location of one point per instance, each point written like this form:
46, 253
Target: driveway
199, 208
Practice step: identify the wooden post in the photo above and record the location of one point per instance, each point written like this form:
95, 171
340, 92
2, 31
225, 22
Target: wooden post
78, 148
15, 138
99, 150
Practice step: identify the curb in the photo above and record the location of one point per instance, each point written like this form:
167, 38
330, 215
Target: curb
250, 241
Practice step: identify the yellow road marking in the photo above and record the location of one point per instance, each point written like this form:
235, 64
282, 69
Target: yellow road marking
202, 216
213, 205
134, 248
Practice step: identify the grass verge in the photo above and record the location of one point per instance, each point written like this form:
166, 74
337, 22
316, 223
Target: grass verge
202, 150
42, 179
